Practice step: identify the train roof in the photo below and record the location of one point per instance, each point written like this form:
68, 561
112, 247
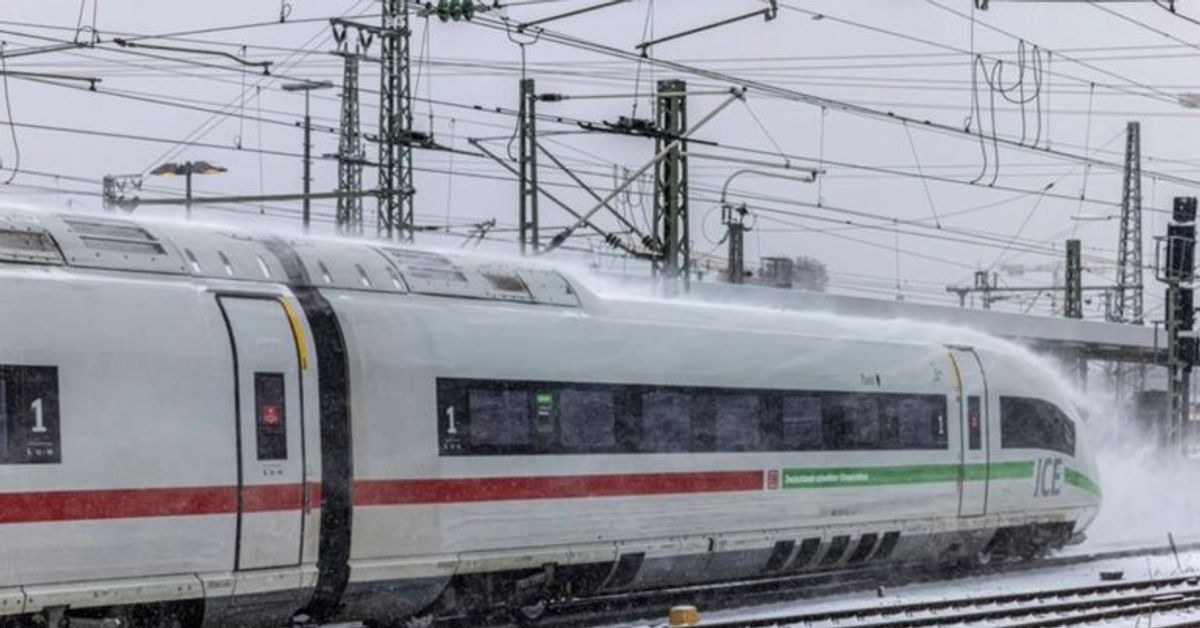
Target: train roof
229, 253
223, 252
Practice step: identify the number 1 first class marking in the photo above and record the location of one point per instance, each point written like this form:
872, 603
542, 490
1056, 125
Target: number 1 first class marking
39, 421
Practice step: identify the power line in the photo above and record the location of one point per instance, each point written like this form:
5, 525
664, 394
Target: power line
819, 101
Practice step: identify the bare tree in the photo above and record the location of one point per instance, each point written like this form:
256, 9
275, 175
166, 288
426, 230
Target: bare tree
809, 273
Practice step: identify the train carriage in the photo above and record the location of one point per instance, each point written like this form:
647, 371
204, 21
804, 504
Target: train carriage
206, 426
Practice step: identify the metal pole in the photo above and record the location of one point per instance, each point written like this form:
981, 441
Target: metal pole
734, 218
1073, 299
527, 156
350, 151
187, 176
110, 192
671, 184
395, 213
1129, 250
307, 164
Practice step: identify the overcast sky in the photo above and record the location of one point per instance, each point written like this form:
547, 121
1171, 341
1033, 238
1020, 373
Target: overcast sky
904, 57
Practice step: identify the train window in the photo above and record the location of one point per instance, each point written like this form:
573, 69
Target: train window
270, 416
29, 418
802, 423
587, 420
499, 418
666, 422
737, 422
920, 423
851, 421
974, 423
1027, 423
3, 416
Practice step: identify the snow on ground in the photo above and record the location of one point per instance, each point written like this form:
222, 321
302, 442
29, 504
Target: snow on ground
1135, 568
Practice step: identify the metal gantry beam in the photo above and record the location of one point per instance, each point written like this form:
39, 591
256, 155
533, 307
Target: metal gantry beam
671, 182
395, 212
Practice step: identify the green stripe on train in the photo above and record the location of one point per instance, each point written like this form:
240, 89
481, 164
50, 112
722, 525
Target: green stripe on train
907, 474
838, 477
1079, 480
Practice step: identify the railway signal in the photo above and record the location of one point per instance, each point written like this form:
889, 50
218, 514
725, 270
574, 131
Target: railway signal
1176, 255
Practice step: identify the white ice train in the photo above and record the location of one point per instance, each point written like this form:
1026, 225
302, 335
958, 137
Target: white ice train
203, 426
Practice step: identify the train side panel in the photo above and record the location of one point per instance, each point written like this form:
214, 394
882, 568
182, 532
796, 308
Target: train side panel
146, 443
407, 524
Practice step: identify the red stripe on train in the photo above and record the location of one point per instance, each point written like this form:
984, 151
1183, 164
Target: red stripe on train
273, 497
116, 503
459, 490
147, 502
214, 500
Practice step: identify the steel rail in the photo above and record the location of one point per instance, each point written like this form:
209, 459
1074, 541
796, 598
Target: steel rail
1014, 606
641, 605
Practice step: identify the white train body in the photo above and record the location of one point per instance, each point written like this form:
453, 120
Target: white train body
240, 429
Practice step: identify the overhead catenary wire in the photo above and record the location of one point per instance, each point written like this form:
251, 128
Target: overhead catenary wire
12, 127
922, 169
811, 99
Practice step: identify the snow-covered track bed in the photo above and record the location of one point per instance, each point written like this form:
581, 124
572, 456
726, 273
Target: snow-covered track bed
648, 608
1055, 607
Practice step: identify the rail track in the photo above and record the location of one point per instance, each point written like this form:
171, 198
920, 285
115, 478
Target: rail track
1046, 608
1054, 607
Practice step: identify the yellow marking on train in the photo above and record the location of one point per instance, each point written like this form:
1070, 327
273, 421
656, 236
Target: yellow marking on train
297, 333
957, 375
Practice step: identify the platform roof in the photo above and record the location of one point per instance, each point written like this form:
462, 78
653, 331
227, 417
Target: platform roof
1085, 338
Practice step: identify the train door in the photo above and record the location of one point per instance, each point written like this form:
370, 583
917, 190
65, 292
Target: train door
269, 433
971, 395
